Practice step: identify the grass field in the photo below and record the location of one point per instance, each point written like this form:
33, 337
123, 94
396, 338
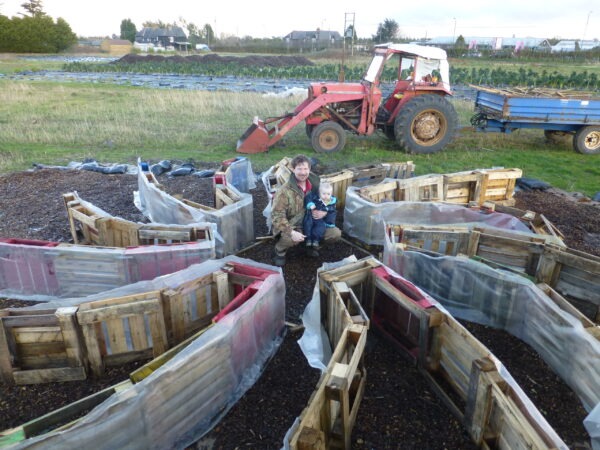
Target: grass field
55, 123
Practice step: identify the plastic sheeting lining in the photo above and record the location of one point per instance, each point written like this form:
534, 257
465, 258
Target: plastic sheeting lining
235, 222
38, 272
364, 219
475, 292
183, 399
317, 350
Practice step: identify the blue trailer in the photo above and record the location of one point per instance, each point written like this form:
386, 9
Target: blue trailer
555, 112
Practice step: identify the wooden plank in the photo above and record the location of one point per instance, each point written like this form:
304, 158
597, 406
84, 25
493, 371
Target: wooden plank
479, 400
6, 370
224, 294
115, 330
71, 411
144, 371
71, 334
33, 335
30, 320
565, 305
150, 295
118, 311
93, 347
137, 330
405, 301
49, 375
175, 301
46, 350
158, 331
221, 199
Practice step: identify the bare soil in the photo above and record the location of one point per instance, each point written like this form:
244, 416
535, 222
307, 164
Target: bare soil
399, 410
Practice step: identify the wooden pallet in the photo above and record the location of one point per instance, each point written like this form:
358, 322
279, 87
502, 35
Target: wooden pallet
100, 228
474, 187
60, 419
332, 410
340, 181
123, 329
40, 346
569, 271
449, 357
535, 221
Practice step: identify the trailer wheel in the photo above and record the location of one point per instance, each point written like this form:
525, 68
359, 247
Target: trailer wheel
328, 137
425, 124
587, 140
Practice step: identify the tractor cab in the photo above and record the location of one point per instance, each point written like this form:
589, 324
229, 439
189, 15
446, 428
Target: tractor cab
419, 70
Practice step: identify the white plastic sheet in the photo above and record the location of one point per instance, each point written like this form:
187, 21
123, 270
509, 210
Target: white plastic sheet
38, 272
235, 222
364, 219
478, 293
172, 408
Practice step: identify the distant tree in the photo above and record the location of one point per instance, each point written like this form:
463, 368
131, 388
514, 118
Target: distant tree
350, 34
577, 46
37, 34
128, 30
62, 35
386, 31
33, 7
154, 24
460, 42
208, 34
194, 33
5, 33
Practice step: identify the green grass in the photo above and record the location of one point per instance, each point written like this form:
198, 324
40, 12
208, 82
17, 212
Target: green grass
11, 63
52, 123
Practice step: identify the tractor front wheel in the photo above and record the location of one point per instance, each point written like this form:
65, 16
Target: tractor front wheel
587, 140
425, 124
328, 137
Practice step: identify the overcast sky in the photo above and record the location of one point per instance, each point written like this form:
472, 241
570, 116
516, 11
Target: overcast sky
575, 19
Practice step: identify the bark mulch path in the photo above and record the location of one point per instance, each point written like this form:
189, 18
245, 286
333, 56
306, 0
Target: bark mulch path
399, 410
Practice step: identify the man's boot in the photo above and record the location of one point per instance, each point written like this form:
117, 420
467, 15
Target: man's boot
278, 258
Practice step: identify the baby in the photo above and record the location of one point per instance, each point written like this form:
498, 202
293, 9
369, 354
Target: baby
314, 229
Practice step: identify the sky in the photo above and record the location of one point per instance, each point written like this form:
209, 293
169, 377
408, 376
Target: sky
576, 19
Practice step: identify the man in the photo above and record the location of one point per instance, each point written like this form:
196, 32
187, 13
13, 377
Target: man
288, 210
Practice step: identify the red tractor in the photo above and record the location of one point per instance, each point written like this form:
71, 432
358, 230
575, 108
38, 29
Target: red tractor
416, 114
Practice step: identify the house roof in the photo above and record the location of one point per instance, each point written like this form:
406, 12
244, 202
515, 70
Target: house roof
151, 33
316, 34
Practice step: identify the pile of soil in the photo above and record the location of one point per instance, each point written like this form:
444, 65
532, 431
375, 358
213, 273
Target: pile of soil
213, 58
399, 408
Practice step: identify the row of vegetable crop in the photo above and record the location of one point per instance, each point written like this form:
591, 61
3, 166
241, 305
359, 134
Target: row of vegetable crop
458, 75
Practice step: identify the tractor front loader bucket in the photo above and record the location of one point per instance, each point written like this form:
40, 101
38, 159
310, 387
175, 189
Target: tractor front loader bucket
255, 139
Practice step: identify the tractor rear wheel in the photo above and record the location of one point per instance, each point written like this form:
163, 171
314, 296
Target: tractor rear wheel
587, 140
425, 124
328, 137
